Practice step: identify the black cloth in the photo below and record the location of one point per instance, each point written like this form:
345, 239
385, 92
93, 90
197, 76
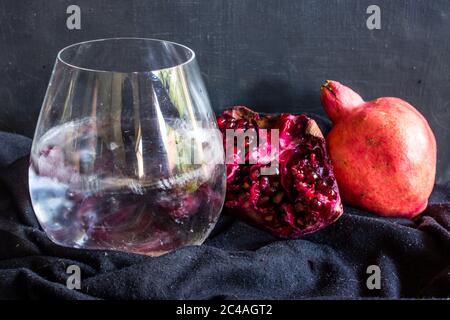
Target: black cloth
237, 261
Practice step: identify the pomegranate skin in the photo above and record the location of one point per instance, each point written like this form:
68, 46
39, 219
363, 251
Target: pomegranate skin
383, 152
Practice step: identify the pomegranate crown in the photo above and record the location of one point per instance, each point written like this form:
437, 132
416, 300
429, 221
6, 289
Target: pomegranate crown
338, 99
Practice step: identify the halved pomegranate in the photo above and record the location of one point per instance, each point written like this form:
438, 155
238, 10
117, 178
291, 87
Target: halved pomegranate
302, 196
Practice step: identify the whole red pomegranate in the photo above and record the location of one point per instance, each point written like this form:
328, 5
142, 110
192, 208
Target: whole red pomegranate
302, 196
383, 152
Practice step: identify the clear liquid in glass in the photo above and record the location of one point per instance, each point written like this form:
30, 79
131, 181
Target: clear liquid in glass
84, 196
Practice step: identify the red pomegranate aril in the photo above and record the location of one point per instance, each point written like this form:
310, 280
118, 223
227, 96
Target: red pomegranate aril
263, 200
316, 204
331, 193
312, 177
254, 175
322, 185
271, 190
299, 174
302, 187
241, 123
264, 183
220, 121
300, 222
299, 207
295, 200
278, 197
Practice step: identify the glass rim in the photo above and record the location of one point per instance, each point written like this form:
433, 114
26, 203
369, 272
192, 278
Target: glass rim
74, 66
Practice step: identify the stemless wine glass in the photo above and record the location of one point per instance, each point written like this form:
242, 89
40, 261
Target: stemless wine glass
126, 153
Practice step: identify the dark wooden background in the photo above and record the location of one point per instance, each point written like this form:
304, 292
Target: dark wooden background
269, 54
